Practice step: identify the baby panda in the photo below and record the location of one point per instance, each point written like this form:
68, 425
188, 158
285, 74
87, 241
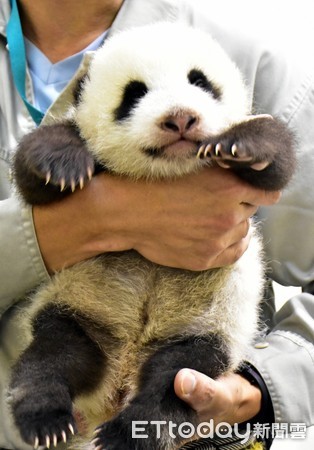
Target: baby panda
107, 336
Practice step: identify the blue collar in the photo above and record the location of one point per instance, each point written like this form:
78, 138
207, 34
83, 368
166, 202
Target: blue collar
18, 59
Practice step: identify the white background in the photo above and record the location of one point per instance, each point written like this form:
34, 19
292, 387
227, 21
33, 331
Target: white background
288, 22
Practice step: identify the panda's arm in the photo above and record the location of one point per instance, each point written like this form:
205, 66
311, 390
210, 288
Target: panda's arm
260, 150
51, 162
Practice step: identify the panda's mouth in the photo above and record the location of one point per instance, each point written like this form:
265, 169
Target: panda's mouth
182, 148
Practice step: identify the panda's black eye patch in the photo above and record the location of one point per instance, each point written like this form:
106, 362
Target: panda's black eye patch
199, 79
132, 93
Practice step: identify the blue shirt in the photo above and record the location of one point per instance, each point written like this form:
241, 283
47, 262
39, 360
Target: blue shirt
50, 79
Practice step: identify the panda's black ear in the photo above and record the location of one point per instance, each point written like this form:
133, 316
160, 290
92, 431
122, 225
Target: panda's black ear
78, 89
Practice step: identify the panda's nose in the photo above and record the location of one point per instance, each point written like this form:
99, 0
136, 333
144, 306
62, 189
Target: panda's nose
180, 123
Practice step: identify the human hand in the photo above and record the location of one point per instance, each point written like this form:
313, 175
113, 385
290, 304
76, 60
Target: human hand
197, 222
230, 398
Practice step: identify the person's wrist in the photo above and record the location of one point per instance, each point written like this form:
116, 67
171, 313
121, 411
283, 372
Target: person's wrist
84, 224
250, 400
244, 399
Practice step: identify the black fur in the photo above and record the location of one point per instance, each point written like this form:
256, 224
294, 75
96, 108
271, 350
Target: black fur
78, 89
57, 152
263, 139
63, 353
156, 399
198, 78
132, 93
61, 362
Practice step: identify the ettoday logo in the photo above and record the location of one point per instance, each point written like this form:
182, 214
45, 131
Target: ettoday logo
186, 430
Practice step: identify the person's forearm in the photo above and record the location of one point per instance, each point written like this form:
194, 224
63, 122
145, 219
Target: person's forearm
81, 226
197, 222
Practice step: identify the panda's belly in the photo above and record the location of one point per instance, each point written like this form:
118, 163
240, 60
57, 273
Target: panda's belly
142, 303
139, 301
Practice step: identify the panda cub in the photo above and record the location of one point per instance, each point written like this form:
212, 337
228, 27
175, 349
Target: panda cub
107, 336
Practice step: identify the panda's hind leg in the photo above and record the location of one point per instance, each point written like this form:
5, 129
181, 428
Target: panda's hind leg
60, 363
156, 400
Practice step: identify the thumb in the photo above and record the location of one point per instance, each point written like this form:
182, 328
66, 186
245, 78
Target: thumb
197, 390
230, 398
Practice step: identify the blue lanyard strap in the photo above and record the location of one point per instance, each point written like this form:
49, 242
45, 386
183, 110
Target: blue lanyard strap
18, 59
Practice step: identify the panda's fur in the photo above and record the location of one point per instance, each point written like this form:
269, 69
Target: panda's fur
109, 334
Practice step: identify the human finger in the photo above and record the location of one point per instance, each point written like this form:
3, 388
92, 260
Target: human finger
230, 398
231, 254
259, 197
202, 393
237, 245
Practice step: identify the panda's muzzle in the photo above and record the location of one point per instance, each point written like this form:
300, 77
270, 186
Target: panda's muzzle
179, 123
179, 131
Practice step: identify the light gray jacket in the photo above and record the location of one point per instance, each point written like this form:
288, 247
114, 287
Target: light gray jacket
278, 87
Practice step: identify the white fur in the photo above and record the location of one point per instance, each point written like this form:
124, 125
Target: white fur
116, 288
161, 56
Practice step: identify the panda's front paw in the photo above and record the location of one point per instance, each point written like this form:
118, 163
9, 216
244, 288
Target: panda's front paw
245, 145
230, 154
46, 429
54, 155
67, 167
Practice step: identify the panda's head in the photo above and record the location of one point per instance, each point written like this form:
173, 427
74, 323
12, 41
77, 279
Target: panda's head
152, 94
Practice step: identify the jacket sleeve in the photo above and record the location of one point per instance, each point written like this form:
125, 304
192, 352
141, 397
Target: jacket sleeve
288, 227
23, 267
286, 361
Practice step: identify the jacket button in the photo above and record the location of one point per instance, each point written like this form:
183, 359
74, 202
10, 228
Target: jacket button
261, 345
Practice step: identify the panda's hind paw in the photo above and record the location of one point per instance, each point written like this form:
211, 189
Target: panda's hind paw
48, 430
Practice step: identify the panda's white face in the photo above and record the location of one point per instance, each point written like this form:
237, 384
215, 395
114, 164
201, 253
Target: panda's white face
154, 93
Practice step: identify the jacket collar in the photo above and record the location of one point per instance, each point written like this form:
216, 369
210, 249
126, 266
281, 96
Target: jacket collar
141, 12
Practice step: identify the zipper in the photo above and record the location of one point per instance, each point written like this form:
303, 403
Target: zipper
232, 443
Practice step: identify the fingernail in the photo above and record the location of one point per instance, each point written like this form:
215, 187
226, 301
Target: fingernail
188, 383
